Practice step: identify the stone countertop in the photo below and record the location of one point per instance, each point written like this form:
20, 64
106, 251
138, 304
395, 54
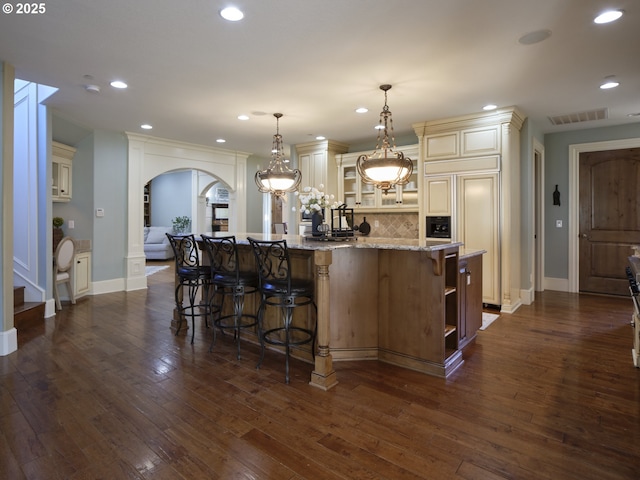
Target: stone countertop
309, 243
470, 252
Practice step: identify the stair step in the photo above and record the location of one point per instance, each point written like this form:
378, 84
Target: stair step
28, 315
18, 296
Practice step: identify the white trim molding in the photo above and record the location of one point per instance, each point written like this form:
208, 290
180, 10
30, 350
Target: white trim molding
574, 199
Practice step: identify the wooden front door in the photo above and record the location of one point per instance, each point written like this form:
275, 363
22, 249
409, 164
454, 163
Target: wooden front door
609, 218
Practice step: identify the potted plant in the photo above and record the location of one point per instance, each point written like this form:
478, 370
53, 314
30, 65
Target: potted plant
181, 225
57, 231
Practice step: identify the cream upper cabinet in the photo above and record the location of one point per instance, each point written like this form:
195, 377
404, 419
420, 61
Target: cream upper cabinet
438, 196
468, 142
315, 161
61, 171
359, 195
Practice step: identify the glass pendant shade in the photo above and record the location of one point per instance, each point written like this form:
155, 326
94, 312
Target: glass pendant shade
385, 168
278, 179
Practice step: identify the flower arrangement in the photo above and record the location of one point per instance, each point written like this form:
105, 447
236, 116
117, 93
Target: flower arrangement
315, 200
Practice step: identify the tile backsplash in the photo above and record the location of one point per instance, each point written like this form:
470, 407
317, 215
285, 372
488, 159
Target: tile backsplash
390, 225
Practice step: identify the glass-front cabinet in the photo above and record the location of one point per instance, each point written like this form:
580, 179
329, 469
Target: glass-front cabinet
359, 195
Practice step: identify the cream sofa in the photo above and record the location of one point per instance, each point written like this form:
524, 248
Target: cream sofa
156, 243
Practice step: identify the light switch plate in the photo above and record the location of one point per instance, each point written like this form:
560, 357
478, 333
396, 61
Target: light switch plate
559, 223
99, 212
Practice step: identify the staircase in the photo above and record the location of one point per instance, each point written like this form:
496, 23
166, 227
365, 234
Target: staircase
26, 315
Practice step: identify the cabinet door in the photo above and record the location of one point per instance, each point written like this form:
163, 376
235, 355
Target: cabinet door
470, 293
473, 295
314, 168
61, 181
438, 196
64, 179
349, 186
408, 194
478, 226
82, 274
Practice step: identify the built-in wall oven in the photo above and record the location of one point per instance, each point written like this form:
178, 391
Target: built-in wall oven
439, 227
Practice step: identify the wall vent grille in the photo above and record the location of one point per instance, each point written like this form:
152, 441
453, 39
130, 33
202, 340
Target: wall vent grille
588, 116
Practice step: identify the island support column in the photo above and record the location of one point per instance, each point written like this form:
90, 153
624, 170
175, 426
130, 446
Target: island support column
323, 376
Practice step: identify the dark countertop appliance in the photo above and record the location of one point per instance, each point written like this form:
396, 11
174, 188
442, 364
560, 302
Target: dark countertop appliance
438, 227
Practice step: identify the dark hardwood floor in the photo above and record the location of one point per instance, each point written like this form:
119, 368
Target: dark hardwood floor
106, 391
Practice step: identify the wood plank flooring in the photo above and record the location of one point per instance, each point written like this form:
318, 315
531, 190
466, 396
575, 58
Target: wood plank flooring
107, 391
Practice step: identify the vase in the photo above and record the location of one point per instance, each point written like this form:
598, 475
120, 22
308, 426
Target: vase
57, 236
316, 221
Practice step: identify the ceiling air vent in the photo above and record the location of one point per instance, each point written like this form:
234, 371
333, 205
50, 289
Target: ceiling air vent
588, 116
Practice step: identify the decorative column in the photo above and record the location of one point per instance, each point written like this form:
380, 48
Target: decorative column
323, 376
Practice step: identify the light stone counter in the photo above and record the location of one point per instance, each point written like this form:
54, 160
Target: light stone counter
315, 243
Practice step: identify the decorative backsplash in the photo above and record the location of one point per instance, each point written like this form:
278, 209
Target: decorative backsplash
390, 225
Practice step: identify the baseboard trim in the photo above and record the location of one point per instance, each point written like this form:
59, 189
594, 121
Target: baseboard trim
557, 284
8, 341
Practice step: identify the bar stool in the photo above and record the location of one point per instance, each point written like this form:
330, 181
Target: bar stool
193, 276
279, 289
230, 281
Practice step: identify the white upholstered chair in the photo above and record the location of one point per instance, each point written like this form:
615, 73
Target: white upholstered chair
62, 263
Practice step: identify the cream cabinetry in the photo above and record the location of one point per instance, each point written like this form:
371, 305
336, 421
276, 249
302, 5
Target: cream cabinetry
471, 172
81, 274
467, 142
61, 171
438, 196
315, 161
358, 195
472, 199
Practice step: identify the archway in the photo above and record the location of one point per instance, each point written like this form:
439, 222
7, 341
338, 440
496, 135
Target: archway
149, 157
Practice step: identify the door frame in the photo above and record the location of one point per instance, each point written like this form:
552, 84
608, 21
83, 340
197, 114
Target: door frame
537, 219
574, 198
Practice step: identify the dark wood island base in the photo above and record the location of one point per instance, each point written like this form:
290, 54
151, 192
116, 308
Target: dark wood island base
412, 304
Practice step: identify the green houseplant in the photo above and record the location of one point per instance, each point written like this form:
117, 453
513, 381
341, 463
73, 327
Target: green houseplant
181, 224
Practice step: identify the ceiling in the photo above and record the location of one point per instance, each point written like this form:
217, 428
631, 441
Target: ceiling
191, 73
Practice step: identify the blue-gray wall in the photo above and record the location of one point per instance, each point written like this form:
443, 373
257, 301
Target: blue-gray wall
557, 173
171, 197
99, 181
110, 154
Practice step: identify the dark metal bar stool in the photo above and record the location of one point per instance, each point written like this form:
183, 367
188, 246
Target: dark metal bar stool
230, 281
192, 276
279, 289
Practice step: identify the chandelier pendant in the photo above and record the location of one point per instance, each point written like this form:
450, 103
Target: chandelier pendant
385, 167
278, 179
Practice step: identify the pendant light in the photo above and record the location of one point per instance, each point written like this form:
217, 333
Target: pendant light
278, 179
385, 168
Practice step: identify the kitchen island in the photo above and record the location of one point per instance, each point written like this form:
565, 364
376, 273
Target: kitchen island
410, 303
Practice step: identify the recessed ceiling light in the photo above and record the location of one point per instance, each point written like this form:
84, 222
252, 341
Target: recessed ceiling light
608, 16
609, 82
636, 114
92, 88
118, 84
220, 140
379, 127
362, 110
243, 117
146, 126
232, 14
490, 106
320, 137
